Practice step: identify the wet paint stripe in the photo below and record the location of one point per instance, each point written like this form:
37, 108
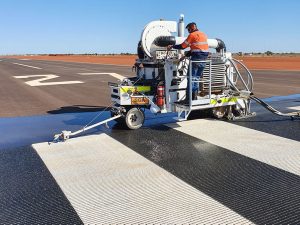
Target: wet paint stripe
28, 192
270, 123
255, 190
109, 183
274, 150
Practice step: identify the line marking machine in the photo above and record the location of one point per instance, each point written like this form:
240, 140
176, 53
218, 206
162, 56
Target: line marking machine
163, 82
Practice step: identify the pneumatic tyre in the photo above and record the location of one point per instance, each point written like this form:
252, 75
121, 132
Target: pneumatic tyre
134, 118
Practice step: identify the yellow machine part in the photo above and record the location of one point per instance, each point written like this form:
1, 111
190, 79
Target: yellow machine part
223, 100
133, 89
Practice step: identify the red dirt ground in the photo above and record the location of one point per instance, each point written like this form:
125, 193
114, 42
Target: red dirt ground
291, 63
115, 60
272, 62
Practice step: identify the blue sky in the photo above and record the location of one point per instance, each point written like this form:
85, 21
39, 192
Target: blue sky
114, 26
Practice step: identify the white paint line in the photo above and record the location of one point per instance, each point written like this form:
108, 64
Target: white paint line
37, 82
93, 63
116, 75
277, 151
295, 108
109, 183
28, 66
0, 60
24, 59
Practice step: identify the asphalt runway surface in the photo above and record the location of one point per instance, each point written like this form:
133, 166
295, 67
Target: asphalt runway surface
201, 171
82, 92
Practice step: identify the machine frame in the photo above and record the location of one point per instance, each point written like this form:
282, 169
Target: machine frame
226, 104
163, 78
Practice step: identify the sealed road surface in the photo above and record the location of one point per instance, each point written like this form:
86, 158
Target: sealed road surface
30, 87
202, 171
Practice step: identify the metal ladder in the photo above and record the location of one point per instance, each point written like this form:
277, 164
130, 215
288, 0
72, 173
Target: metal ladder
185, 110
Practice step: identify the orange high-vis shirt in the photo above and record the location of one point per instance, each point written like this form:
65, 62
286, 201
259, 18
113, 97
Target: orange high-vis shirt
197, 41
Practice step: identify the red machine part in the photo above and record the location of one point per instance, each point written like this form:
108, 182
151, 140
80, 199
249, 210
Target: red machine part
160, 96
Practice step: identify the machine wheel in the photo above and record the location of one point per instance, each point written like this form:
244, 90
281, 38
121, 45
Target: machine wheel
230, 115
134, 118
220, 112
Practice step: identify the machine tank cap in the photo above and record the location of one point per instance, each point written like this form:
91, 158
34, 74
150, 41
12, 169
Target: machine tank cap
181, 17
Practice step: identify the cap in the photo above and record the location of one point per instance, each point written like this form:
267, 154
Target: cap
190, 24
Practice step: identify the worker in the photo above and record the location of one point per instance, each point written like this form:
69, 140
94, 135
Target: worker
197, 41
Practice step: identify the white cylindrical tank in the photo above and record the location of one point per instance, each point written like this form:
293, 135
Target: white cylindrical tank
181, 26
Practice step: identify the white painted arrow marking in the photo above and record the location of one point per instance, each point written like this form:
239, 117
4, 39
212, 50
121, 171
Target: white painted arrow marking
37, 82
116, 75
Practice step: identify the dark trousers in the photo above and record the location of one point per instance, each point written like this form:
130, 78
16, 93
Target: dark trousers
197, 70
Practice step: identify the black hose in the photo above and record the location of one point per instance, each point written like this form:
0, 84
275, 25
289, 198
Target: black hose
164, 41
259, 101
140, 51
221, 45
273, 110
